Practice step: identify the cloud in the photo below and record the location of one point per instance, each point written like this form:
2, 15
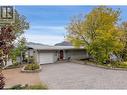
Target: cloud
46, 34
44, 39
47, 30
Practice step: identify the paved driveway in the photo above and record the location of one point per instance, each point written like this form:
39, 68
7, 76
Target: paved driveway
77, 76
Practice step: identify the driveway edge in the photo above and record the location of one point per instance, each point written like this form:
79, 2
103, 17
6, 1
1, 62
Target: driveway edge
99, 66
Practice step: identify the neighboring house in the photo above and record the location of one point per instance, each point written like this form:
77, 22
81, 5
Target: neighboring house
49, 54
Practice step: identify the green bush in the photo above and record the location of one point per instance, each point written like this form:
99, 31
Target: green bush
36, 86
16, 64
31, 59
119, 64
18, 86
32, 66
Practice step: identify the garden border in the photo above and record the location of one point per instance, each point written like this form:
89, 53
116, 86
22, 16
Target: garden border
99, 66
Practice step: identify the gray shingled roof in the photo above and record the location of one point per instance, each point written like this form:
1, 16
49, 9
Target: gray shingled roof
41, 47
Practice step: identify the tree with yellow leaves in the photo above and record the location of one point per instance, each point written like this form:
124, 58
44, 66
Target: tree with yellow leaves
97, 32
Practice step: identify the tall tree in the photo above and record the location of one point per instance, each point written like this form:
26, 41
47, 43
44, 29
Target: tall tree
97, 28
19, 26
6, 38
8, 34
123, 52
18, 50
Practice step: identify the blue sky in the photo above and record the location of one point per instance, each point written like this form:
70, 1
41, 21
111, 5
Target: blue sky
47, 23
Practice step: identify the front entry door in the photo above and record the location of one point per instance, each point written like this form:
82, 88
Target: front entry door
61, 55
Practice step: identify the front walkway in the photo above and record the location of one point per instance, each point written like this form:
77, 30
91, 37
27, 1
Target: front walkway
77, 76
14, 77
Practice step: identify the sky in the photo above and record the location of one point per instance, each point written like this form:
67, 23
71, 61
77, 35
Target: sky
48, 23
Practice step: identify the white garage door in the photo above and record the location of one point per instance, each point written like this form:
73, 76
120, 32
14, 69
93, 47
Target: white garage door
46, 58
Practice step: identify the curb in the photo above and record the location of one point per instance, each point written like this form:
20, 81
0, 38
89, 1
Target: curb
99, 66
30, 71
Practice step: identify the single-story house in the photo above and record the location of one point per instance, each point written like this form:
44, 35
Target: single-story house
50, 54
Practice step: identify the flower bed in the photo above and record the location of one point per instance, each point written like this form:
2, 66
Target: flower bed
31, 68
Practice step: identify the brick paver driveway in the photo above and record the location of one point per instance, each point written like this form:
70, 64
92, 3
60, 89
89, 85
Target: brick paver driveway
77, 76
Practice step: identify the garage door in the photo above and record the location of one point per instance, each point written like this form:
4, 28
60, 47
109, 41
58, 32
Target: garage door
46, 58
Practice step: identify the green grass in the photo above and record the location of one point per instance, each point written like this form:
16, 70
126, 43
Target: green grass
39, 86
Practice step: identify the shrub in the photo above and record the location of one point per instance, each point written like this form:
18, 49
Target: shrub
26, 86
32, 66
38, 86
120, 64
31, 59
18, 86
16, 64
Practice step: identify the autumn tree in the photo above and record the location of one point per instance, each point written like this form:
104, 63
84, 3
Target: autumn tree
123, 52
106, 43
6, 38
8, 34
19, 26
97, 32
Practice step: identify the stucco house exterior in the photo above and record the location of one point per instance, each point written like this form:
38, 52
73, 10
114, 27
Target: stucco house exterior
50, 54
